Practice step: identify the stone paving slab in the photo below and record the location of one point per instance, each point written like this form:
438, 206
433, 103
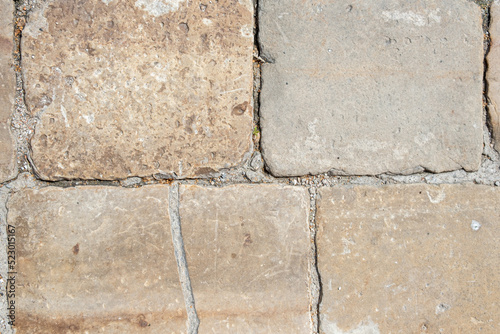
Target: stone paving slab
369, 87
247, 253
409, 259
134, 88
8, 166
95, 260
493, 73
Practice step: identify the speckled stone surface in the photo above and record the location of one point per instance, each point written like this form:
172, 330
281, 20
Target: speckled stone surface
247, 250
369, 87
409, 259
95, 260
135, 88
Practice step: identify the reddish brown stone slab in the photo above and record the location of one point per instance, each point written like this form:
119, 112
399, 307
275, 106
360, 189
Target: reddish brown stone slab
409, 259
134, 88
95, 260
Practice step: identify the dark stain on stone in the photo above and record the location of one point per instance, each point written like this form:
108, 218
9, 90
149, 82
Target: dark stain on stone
59, 323
233, 255
205, 170
73, 328
142, 321
248, 240
5, 43
76, 249
183, 26
240, 109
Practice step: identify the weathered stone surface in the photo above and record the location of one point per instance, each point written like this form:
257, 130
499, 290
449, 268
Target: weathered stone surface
138, 88
247, 250
493, 73
372, 86
95, 260
8, 168
409, 259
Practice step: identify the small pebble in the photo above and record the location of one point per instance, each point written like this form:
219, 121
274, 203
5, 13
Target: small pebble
475, 225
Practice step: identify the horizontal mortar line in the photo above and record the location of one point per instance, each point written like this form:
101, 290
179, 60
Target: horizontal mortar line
339, 181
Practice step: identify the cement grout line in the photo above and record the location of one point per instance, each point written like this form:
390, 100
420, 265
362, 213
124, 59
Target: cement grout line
4, 319
23, 123
315, 286
488, 140
180, 256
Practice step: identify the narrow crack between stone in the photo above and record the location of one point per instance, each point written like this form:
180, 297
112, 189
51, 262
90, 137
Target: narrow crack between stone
257, 72
23, 123
4, 211
487, 45
193, 321
315, 286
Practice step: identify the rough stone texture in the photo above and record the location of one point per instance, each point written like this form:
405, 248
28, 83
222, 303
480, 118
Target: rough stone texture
369, 87
409, 259
96, 259
134, 88
8, 168
493, 73
247, 253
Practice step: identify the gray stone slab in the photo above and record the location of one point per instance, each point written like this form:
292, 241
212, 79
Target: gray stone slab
493, 73
95, 260
247, 249
368, 87
409, 259
8, 166
138, 88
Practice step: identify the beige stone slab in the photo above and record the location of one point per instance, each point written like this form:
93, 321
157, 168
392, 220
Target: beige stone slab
409, 259
247, 253
95, 260
493, 73
370, 87
134, 88
8, 166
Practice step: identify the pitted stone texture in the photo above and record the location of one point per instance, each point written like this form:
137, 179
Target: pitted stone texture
95, 260
369, 87
135, 88
247, 254
8, 168
409, 259
493, 73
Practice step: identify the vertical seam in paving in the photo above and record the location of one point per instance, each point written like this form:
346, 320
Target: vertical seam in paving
486, 17
180, 256
257, 81
314, 278
4, 210
23, 123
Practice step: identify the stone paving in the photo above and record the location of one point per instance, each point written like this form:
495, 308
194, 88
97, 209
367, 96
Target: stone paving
239, 166
134, 89
419, 257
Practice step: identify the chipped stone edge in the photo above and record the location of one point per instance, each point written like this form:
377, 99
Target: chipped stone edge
193, 321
